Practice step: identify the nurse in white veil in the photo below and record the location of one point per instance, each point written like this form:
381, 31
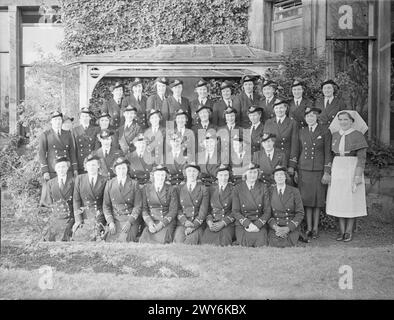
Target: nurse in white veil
346, 192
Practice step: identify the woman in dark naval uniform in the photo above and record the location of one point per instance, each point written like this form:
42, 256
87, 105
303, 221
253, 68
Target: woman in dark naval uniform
221, 230
314, 168
159, 208
251, 209
287, 212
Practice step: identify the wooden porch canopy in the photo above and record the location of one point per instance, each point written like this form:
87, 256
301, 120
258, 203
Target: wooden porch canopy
215, 61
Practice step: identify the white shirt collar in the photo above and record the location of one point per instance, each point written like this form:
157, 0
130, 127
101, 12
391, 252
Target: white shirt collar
255, 125
62, 178
298, 100
121, 181
138, 97
223, 186
279, 189
313, 127
270, 153
193, 185
281, 119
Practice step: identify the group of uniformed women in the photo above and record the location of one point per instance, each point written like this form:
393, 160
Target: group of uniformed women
241, 170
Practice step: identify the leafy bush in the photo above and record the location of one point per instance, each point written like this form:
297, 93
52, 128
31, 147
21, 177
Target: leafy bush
99, 26
21, 170
303, 66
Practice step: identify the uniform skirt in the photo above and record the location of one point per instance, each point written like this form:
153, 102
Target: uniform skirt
121, 236
165, 235
251, 239
223, 237
313, 192
192, 238
343, 199
290, 241
58, 229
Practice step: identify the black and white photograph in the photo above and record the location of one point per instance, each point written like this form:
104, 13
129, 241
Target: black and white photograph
197, 151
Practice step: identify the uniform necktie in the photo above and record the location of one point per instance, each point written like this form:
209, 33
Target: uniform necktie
61, 183
280, 194
297, 103
190, 188
310, 129
158, 190
92, 182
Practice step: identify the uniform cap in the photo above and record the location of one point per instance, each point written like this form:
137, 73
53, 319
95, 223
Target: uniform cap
192, 165
226, 84
267, 136
201, 83
121, 160
309, 110
136, 81
105, 134
175, 83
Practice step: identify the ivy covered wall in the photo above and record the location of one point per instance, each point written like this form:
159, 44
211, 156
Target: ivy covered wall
97, 26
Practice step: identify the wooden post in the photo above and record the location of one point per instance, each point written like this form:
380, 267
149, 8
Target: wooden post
384, 70
83, 86
14, 67
372, 72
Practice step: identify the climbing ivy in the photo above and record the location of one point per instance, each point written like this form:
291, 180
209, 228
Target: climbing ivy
98, 26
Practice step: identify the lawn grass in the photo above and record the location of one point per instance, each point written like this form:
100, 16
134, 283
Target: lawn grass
201, 272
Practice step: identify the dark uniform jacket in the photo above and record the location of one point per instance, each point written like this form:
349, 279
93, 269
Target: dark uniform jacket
298, 113
199, 139
162, 206
268, 108
85, 142
286, 135
52, 147
61, 199
242, 103
251, 205
156, 144
218, 113
106, 163
140, 168
124, 200
267, 165
193, 206
127, 135
194, 106
220, 204
87, 197
208, 167
314, 149
239, 165
175, 167
141, 109
329, 113
226, 141
154, 103
115, 111
255, 137
287, 212
170, 106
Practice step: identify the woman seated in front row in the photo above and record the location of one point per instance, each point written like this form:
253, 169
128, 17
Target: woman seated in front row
287, 211
220, 230
159, 208
193, 207
251, 209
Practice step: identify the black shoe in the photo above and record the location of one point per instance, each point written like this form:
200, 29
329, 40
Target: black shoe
315, 234
304, 238
309, 234
347, 237
340, 237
